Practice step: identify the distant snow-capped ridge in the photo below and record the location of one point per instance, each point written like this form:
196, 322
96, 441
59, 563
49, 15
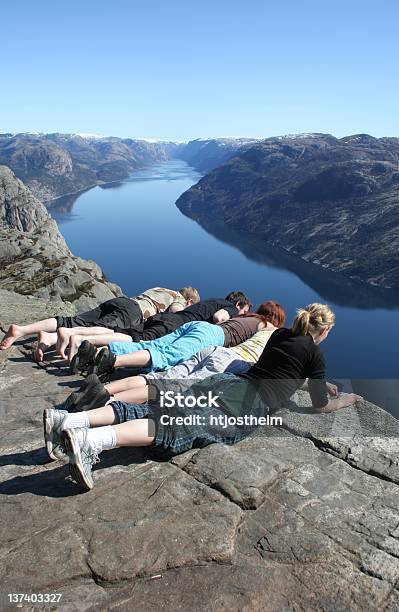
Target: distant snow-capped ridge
65, 134
12, 134
229, 139
89, 136
302, 135
155, 140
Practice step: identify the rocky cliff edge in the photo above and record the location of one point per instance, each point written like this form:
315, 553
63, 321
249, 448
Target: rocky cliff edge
301, 516
34, 258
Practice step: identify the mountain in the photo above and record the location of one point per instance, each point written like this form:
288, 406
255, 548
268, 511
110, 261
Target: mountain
333, 202
207, 154
34, 258
52, 165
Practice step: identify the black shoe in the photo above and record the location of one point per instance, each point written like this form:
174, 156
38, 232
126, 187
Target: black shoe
96, 397
84, 358
103, 364
75, 397
74, 365
70, 402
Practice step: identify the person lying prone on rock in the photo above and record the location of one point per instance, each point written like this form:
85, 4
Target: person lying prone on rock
208, 361
291, 356
120, 314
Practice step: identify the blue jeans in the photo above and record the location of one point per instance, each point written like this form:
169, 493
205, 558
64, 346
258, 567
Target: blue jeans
173, 348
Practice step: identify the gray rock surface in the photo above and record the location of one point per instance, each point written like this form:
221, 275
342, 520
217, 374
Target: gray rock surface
34, 258
303, 517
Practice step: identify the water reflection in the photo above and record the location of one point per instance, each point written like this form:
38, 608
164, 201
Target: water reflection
331, 286
381, 391
64, 204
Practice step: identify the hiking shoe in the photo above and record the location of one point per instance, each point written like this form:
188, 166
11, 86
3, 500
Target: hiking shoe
95, 397
103, 364
84, 358
52, 425
82, 455
73, 399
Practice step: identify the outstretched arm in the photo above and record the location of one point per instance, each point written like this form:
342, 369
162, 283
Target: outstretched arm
331, 388
336, 403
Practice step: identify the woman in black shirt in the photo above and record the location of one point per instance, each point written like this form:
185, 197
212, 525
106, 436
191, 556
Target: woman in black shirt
293, 355
222, 408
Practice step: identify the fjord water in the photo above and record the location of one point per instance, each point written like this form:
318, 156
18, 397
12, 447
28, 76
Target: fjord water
134, 231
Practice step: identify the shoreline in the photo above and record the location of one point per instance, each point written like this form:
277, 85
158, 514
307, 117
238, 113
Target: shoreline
98, 184
289, 259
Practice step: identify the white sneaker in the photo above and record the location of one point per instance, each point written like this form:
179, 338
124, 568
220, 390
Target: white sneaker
52, 425
82, 455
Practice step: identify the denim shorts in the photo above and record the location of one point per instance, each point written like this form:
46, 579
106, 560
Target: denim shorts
173, 439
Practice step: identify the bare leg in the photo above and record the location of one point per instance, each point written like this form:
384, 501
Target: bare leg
107, 338
101, 416
133, 396
131, 433
91, 331
99, 340
131, 382
16, 332
74, 341
140, 432
138, 359
44, 341
65, 333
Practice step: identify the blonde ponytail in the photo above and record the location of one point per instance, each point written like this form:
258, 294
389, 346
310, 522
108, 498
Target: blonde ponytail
300, 325
313, 319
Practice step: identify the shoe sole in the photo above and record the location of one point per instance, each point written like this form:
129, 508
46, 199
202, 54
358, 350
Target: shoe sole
104, 376
48, 441
98, 401
72, 401
74, 365
87, 355
75, 463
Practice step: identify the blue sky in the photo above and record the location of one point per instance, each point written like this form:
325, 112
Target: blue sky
181, 70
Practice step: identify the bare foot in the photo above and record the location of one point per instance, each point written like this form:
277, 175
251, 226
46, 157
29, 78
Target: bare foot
44, 341
63, 336
13, 334
74, 343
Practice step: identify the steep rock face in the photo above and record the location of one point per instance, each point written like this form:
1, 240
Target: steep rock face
34, 258
19, 209
52, 165
333, 202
